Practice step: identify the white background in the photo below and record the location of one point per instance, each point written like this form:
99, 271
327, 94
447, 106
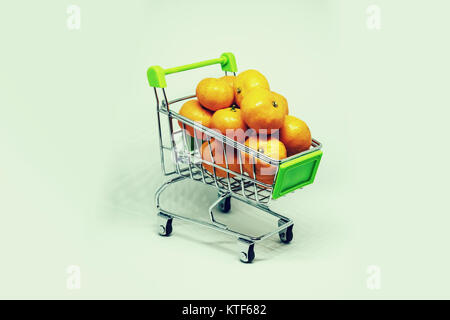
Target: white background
79, 160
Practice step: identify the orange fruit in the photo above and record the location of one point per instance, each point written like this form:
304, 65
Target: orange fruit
193, 110
247, 80
230, 123
269, 146
263, 109
217, 152
214, 94
285, 104
230, 80
295, 135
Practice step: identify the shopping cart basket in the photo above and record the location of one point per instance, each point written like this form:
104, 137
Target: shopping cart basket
183, 153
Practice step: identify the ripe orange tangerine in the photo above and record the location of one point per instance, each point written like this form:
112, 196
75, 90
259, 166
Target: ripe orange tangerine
246, 81
230, 123
269, 146
263, 109
295, 135
214, 150
214, 94
193, 110
231, 80
285, 102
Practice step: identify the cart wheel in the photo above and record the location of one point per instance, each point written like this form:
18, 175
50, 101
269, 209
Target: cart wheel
247, 255
225, 205
286, 235
165, 224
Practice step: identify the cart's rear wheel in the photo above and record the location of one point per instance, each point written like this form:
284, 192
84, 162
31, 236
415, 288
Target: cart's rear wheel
225, 204
286, 235
165, 224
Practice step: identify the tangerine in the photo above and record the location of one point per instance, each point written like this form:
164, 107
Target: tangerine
214, 94
295, 135
271, 147
246, 81
263, 109
230, 123
213, 151
194, 111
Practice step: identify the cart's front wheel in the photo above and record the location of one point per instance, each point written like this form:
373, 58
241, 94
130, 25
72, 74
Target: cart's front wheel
225, 204
247, 252
165, 224
286, 235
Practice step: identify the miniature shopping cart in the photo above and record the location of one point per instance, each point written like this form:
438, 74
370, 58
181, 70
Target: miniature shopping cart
181, 152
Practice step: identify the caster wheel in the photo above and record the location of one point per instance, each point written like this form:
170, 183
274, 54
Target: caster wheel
165, 225
247, 254
225, 205
286, 235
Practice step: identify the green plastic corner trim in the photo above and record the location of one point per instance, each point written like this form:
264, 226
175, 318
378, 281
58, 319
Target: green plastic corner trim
296, 173
157, 75
230, 63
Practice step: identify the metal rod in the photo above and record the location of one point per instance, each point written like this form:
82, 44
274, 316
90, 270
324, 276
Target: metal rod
211, 214
172, 141
226, 164
214, 162
200, 152
161, 145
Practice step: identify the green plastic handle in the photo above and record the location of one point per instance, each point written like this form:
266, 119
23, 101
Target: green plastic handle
157, 75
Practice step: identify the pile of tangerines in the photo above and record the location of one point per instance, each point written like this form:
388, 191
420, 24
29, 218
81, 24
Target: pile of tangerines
243, 108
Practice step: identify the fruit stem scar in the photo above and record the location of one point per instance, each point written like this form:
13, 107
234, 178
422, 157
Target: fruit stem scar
238, 90
275, 104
